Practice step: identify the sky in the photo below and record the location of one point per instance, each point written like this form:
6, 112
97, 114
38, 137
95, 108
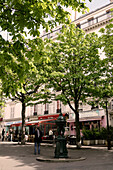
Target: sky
95, 4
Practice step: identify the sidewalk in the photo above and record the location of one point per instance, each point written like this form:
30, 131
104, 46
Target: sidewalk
68, 146
14, 156
48, 156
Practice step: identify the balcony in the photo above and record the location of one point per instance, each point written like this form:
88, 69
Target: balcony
35, 113
89, 24
46, 112
94, 22
58, 111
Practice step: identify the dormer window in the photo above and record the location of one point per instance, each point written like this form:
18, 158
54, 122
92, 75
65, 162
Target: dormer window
78, 25
91, 21
108, 12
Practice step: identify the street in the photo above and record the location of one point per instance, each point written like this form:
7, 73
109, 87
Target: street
20, 157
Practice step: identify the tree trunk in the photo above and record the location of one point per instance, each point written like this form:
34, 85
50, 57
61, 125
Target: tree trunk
77, 129
23, 123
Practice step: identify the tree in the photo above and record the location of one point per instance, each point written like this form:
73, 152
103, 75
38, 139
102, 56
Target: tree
17, 15
25, 76
75, 67
2, 101
105, 84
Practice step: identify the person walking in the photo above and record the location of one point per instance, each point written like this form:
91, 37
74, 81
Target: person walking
3, 132
38, 139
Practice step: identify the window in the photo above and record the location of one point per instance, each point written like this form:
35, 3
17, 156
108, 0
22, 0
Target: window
58, 110
91, 21
54, 106
31, 110
108, 12
80, 106
78, 25
35, 110
12, 113
94, 107
46, 108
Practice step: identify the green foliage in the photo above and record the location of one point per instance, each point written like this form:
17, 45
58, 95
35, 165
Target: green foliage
88, 134
104, 85
73, 58
103, 133
107, 40
16, 16
26, 71
2, 102
96, 134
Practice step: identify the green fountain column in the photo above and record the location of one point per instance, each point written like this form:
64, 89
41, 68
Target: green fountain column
61, 150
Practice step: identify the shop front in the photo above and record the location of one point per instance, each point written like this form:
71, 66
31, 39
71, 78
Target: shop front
46, 123
87, 120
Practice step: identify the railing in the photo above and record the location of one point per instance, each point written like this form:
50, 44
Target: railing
96, 20
93, 21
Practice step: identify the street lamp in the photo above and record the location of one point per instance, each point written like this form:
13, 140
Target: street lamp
108, 130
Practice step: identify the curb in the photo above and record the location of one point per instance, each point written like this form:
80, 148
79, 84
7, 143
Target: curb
43, 159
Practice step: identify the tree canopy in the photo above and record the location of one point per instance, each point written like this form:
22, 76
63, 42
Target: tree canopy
17, 15
105, 84
25, 75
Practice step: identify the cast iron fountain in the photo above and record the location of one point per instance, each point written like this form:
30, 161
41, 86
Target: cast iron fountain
61, 150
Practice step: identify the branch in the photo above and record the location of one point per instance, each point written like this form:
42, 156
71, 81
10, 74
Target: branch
63, 91
33, 91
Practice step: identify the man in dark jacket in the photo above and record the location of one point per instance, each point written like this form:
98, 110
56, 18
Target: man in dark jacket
38, 139
3, 132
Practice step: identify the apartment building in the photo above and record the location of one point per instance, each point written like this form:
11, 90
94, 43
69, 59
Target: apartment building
89, 116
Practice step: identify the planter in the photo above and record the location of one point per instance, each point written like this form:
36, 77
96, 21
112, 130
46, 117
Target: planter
96, 142
86, 142
112, 143
101, 142
106, 143
92, 142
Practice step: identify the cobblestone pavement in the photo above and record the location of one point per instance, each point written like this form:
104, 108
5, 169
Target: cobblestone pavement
21, 157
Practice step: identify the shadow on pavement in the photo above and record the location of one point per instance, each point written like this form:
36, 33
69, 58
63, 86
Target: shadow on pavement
24, 154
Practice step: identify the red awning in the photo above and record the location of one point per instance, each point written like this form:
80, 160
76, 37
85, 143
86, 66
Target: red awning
49, 116
41, 119
39, 122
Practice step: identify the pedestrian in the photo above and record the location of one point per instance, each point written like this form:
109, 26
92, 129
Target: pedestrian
11, 135
26, 136
50, 134
38, 139
3, 132
7, 135
19, 137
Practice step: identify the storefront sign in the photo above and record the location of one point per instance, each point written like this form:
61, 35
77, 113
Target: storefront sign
85, 114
